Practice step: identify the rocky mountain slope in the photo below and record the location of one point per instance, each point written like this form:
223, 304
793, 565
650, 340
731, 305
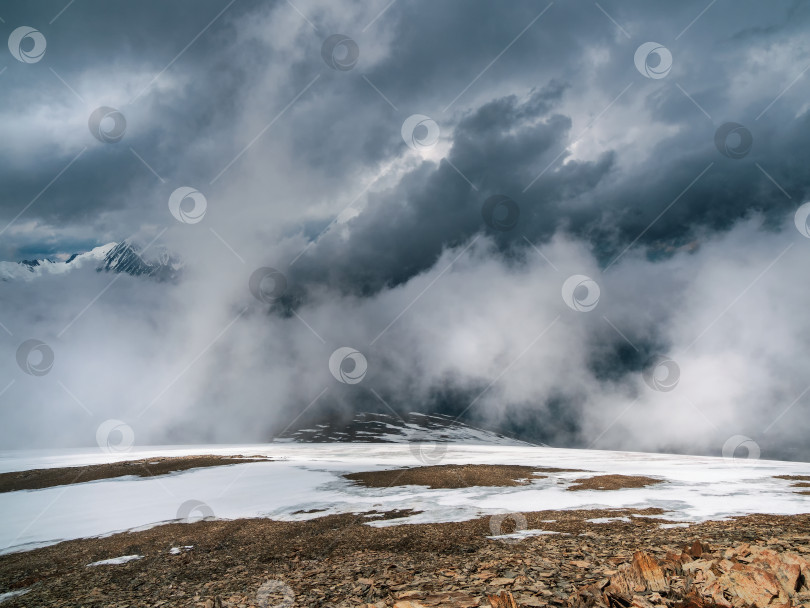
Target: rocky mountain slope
368, 427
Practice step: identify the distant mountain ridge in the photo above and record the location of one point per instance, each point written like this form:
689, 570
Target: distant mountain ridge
123, 257
367, 427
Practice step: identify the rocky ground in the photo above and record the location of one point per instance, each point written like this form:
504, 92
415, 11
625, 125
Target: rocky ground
456, 476
450, 476
339, 561
46, 478
612, 482
700, 575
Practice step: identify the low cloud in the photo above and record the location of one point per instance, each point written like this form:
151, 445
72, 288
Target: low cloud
481, 335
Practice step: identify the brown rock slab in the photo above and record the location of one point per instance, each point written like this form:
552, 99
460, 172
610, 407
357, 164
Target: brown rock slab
649, 572
752, 586
501, 581
503, 600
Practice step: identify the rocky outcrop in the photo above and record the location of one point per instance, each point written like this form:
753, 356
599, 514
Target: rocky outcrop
738, 577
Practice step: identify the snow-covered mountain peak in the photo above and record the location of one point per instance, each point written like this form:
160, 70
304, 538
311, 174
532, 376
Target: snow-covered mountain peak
113, 257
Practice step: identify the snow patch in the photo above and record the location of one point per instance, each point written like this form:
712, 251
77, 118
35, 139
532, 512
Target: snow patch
607, 520
10, 594
116, 560
524, 534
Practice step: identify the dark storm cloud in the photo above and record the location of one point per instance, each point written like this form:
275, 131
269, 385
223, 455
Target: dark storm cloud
404, 230
104, 54
435, 53
687, 182
444, 52
95, 31
728, 191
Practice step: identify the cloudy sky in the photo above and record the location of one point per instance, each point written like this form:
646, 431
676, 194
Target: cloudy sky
577, 222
